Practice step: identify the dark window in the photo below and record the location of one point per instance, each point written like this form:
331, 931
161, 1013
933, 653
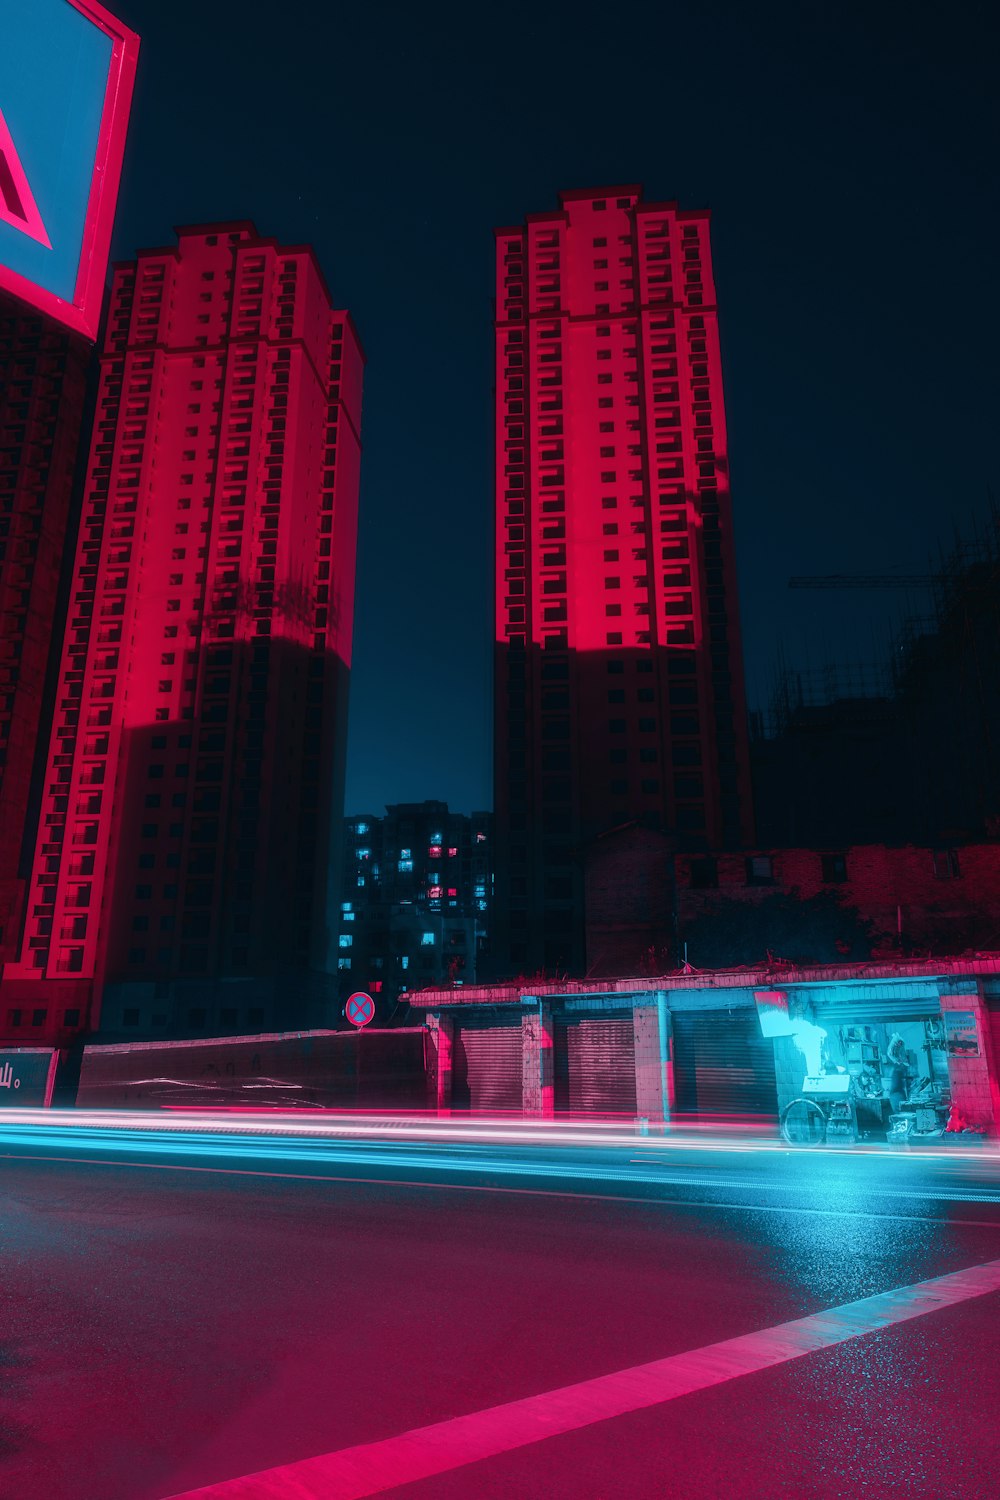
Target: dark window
704, 874
834, 868
946, 864
760, 870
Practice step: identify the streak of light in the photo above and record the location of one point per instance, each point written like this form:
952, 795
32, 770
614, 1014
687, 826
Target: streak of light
480, 1131
129, 1136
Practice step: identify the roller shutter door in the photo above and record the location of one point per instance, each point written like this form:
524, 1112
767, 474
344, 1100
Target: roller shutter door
487, 1068
595, 1066
722, 1064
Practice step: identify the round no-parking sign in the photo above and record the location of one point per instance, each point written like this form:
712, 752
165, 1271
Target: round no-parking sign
360, 1009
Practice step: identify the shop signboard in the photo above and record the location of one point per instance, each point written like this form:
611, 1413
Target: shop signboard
27, 1077
961, 1033
772, 1012
66, 73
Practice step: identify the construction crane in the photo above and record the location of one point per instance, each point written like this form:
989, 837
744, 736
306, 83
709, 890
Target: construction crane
864, 581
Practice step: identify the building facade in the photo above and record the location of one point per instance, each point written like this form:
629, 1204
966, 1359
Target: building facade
416, 903
42, 393
619, 680
193, 792
909, 899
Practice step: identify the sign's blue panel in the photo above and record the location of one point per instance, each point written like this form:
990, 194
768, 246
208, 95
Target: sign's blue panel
54, 67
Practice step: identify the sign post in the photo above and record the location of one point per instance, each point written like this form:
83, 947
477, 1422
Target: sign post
67, 69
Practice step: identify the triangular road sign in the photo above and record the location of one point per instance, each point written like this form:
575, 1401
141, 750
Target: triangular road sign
17, 201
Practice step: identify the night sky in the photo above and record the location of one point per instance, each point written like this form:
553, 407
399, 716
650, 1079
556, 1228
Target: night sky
848, 153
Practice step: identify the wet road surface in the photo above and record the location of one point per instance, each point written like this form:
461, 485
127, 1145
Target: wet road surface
178, 1310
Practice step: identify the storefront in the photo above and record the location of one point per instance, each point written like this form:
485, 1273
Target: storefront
833, 1056
854, 1066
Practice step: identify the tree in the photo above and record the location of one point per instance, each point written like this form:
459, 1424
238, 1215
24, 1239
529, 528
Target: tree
816, 930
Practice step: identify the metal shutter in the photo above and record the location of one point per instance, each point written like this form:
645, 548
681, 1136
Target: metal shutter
722, 1064
487, 1068
595, 1065
880, 1012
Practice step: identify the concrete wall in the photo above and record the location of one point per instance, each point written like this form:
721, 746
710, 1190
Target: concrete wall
629, 903
975, 1091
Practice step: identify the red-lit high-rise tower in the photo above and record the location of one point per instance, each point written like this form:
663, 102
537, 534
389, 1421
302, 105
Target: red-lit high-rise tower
194, 783
619, 680
42, 388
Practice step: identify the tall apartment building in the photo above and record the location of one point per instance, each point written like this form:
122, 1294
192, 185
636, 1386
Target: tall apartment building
194, 783
417, 889
42, 392
619, 681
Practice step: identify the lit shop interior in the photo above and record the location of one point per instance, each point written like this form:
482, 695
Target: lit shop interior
848, 1077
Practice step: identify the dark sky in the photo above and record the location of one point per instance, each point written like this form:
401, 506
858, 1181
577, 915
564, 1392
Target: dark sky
848, 153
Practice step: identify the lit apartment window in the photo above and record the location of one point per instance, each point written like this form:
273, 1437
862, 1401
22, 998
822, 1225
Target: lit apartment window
427, 940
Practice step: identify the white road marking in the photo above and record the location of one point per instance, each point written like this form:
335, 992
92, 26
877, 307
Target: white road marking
370, 1468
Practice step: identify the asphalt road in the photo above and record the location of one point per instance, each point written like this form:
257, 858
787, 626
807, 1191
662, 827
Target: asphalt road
177, 1311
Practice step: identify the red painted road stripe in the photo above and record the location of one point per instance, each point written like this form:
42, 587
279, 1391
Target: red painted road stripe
353, 1473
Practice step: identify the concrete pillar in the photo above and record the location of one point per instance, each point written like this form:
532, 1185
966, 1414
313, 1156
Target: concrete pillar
654, 1068
975, 1087
440, 1048
537, 1062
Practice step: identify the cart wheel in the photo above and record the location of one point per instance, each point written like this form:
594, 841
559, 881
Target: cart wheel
803, 1123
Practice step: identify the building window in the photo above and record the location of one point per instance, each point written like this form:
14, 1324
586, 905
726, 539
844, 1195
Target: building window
760, 870
704, 874
427, 940
834, 869
345, 940
946, 864
343, 963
